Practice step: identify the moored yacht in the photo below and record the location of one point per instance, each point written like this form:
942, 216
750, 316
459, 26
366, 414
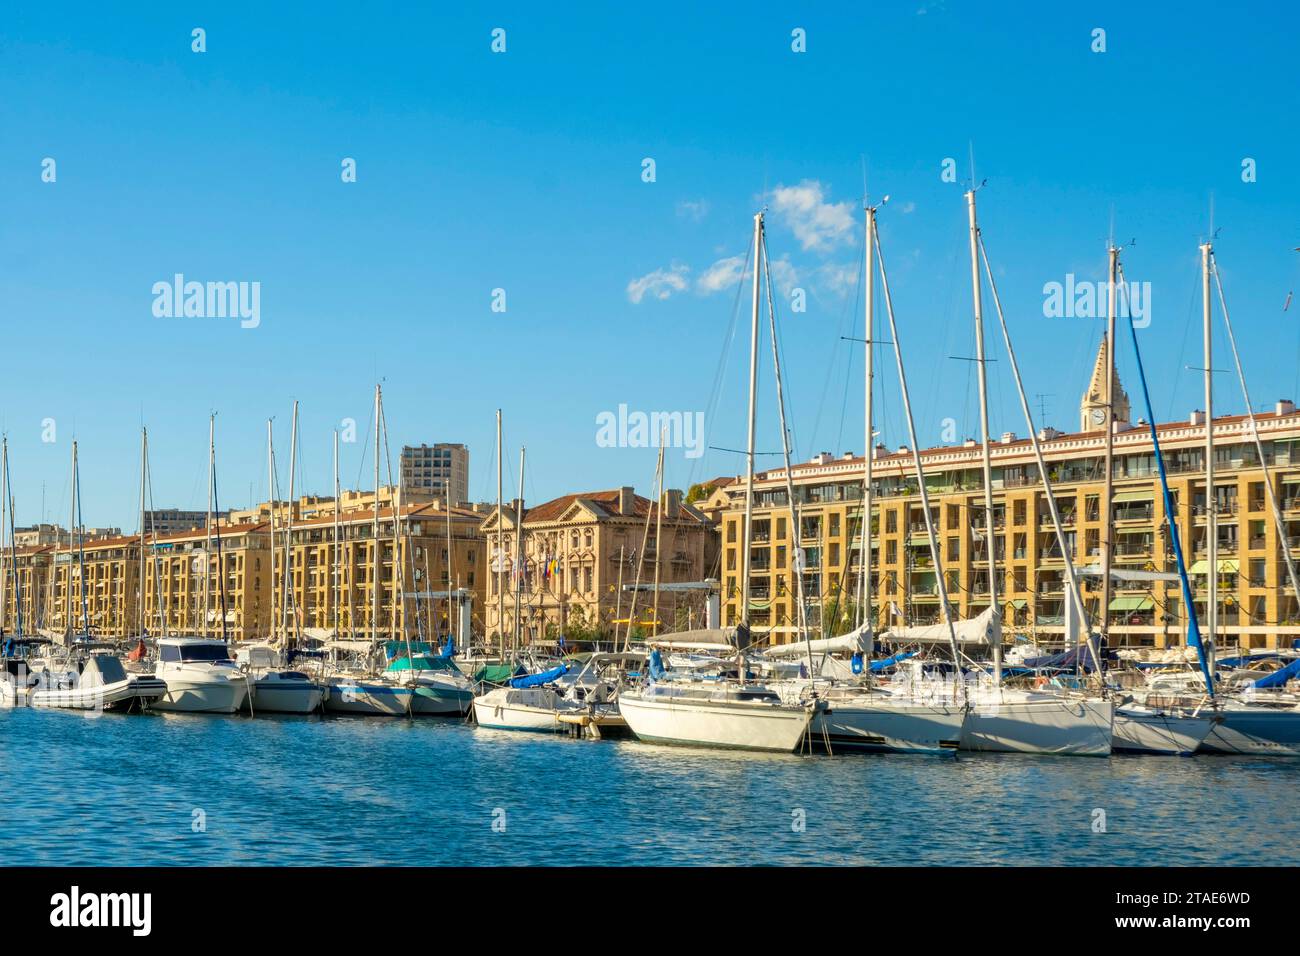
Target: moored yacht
200, 676
97, 681
437, 686
275, 688
530, 702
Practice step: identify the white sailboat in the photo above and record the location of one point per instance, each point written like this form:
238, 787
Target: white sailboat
731, 713
1002, 719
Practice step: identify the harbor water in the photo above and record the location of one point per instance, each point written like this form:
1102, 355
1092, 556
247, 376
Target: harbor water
198, 790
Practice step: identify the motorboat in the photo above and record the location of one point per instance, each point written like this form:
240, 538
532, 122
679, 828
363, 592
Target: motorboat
96, 681
200, 675
438, 688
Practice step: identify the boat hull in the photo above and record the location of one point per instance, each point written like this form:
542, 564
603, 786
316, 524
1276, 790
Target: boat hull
869, 726
1152, 732
1059, 726
119, 695
286, 697
440, 700
497, 716
190, 696
1255, 731
366, 699
722, 724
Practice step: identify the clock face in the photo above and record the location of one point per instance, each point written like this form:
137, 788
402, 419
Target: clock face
1098, 416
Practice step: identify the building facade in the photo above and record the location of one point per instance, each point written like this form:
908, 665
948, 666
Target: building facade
581, 552
1257, 608
440, 471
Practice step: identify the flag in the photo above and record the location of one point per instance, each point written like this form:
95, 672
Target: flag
895, 609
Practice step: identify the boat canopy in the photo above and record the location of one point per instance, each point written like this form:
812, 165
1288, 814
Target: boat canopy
1279, 678
701, 639
538, 680
888, 662
857, 640
976, 630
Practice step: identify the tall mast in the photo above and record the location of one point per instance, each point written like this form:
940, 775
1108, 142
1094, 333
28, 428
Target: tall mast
1108, 491
749, 450
4, 530
338, 581
1211, 515
501, 554
659, 527
990, 542
519, 550
13, 549
270, 492
72, 524
144, 458
451, 564
864, 575
290, 627
374, 556
207, 547
935, 557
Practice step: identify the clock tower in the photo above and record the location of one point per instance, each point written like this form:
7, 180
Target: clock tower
1094, 416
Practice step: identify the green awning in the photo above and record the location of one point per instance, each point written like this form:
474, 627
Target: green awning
1226, 566
1125, 496
1132, 604
1018, 603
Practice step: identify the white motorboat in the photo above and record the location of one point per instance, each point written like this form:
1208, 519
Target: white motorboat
200, 676
98, 682
1143, 728
277, 690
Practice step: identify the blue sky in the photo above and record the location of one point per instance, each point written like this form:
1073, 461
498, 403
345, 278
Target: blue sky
523, 171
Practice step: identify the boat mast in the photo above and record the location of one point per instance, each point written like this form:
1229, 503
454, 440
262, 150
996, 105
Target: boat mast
990, 542
864, 615
1108, 490
501, 554
935, 557
374, 551
659, 526
519, 553
81, 544
270, 491
207, 547
144, 452
290, 627
72, 524
1211, 511
338, 581
13, 548
4, 530
749, 448
451, 563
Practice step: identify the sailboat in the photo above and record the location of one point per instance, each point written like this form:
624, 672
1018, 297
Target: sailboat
1246, 724
858, 715
730, 711
1002, 719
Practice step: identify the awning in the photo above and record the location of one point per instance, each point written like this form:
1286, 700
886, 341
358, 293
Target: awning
1125, 496
1132, 603
1291, 479
1018, 603
1226, 566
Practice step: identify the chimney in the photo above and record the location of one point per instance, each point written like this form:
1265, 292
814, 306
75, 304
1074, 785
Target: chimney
672, 503
626, 500
516, 505
847, 456
823, 458
969, 443
880, 451
1197, 417
1285, 407
1047, 433
1008, 437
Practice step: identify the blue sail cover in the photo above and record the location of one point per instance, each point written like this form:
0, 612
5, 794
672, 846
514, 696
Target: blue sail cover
1279, 678
657, 671
891, 661
449, 649
537, 680
1066, 661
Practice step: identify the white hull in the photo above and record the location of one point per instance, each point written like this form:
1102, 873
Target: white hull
1257, 731
732, 724
889, 725
198, 696
1151, 732
1039, 724
103, 697
495, 716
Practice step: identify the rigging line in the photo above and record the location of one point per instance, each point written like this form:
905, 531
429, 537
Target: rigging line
719, 375
1191, 320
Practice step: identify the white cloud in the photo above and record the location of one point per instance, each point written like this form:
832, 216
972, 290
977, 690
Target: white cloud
817, 224
659, 284
840, 278
908, 207
784, 275
695, 210
722, 275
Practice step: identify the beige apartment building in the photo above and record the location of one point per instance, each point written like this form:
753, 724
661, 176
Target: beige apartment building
183, 592
581, 550
1256, 606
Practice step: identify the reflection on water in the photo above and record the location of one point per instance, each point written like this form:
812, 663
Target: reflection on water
188, 789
